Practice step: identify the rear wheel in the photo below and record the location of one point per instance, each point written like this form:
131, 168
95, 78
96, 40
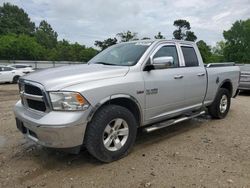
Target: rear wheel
220, 107
15, 79
111, 133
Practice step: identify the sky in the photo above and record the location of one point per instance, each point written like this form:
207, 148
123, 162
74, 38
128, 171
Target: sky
85, 21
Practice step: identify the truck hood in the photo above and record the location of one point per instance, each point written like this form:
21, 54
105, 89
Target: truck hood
61, 77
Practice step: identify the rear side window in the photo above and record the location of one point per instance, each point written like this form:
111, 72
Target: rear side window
6, 69
168, 51
21, 66
190, 57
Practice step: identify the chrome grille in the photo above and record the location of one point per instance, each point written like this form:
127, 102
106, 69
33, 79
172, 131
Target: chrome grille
33, 96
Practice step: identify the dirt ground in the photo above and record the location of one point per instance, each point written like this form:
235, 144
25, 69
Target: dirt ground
197, 153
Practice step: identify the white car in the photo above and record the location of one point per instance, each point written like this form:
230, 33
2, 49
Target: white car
10, 74
24, 67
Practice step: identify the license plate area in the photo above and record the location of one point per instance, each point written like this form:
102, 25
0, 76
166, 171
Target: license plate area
20, 126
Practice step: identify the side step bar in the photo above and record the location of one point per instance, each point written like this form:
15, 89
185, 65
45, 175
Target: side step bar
171, 122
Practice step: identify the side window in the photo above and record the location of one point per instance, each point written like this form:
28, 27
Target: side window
1, 69
190, 56
168, 51
20, 66
7, 69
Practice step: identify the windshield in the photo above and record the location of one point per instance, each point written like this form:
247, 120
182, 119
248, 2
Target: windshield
124, 54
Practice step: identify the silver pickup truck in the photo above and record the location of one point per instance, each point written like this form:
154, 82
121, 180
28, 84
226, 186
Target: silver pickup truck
149, 84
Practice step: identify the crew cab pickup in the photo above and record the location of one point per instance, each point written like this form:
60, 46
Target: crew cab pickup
101, 104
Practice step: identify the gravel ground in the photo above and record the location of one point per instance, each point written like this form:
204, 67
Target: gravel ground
197, 153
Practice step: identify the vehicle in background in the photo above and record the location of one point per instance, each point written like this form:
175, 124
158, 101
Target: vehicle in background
149, 84
24, 67
10, 74
244, 78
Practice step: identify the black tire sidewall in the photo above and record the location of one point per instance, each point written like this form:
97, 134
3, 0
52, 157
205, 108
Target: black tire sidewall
218, 113
15, 79
100, 121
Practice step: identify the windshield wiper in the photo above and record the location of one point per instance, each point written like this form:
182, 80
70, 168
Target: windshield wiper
104, 63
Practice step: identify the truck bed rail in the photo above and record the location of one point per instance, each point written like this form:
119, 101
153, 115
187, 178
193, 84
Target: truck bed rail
226, 64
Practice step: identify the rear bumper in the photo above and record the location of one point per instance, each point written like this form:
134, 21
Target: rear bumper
244, 86
53, 129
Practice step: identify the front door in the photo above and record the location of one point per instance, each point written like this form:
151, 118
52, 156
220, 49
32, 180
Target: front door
165, 88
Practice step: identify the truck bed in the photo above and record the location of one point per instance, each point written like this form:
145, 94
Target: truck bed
218, 72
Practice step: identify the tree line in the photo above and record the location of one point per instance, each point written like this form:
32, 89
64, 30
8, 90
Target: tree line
21, 39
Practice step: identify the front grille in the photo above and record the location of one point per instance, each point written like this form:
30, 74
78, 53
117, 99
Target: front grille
36, 105
32, 95
33, 90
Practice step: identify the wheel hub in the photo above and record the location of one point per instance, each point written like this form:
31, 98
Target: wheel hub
115, 134
223, 103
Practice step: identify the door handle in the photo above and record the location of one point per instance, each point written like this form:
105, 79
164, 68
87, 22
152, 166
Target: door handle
178, 77
201, 74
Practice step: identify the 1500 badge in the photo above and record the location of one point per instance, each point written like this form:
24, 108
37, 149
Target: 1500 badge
151, 91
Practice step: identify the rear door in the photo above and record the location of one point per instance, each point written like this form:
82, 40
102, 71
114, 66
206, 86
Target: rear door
195, 77
165, 88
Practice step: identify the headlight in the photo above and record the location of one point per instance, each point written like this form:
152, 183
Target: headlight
69, 101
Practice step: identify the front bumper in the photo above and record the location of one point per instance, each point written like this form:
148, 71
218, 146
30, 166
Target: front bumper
55, 129
244, 86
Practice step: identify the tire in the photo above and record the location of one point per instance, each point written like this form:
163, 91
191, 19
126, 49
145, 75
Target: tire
101, 130
221, 105
15, 79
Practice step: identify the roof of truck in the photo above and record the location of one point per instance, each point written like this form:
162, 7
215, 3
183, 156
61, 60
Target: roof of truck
161, 40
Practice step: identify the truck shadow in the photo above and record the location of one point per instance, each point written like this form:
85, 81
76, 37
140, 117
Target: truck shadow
244, 93
53, 160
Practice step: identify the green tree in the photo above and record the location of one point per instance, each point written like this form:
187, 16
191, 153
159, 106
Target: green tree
205, 50
183, 31
237, 46
45, 35
159, 36
14, 20
219, 48
106, 43
87, 54
217, 52
127, 36
65, 51
20, 40
62, 52
190, 36
20, 47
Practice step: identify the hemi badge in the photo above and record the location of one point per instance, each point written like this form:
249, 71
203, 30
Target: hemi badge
140, 92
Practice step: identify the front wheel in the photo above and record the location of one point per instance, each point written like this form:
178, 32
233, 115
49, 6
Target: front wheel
220, 107
15, 79
111, 133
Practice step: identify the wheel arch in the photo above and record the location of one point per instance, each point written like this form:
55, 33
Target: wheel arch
124, 100
227, 84
15, 76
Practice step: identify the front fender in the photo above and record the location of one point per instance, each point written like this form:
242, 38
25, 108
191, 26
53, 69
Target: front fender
109, 99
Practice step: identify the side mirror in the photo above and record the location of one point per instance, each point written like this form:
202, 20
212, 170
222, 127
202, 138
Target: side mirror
163, 62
